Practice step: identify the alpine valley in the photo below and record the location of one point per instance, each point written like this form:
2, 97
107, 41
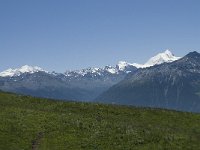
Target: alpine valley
163, 81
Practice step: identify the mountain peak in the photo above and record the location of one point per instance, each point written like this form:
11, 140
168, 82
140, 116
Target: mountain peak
121, 65
18, 71
168, 52
193, 54
31, 69
167, 56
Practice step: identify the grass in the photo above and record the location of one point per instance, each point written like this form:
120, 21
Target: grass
40, 124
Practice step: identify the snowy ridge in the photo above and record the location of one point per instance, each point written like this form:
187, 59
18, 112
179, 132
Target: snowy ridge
122, 66
160, 58
17, 72
94, 71
166, 57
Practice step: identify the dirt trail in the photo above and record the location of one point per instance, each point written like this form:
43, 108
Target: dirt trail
36, 142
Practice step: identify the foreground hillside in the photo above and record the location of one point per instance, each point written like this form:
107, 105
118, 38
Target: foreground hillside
33, 123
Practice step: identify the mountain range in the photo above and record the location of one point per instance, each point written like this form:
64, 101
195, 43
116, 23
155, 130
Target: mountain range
122, 66
164, 81
82, 85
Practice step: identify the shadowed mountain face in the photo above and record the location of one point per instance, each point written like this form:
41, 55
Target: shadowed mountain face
173, 85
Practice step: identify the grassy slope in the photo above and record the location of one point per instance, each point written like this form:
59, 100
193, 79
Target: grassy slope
32, 123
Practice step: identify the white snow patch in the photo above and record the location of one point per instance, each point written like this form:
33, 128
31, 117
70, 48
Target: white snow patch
112, 70
24, 69
165, 57
160, 58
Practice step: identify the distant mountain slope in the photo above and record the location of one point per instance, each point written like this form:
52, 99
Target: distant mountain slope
85, 84
32, 123
62, 86
173, 85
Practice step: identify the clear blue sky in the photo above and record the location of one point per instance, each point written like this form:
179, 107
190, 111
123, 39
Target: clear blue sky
72, 34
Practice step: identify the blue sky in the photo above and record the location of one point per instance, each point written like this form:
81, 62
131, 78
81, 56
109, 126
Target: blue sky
72, 34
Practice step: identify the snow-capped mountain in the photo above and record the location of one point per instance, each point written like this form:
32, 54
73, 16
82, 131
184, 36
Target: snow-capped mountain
166, 57
94, 71
83, 84
122, 66
174, 85
160, 58
168, 85
24, 69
